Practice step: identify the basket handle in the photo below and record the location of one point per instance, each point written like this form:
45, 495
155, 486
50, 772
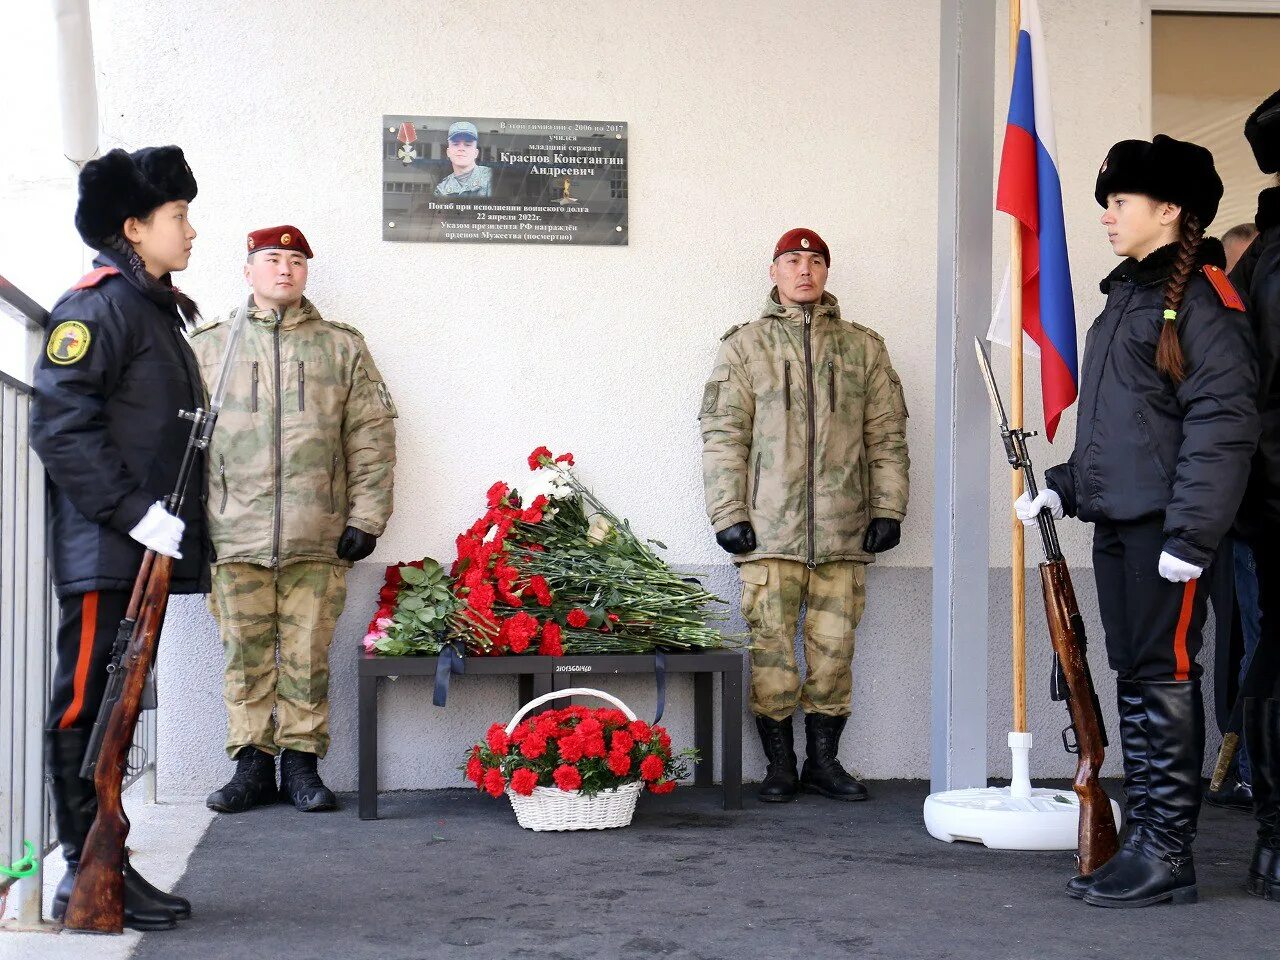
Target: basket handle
571, 692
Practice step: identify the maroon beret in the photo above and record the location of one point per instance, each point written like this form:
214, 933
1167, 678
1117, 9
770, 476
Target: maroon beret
285, 237
801, 239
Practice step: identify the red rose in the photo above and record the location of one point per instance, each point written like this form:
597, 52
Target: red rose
497, 493
534, 746
535, 458
619, 764
475, 771
497, 739
523, 781
493, 782
577, 618
621, 741
666, 786
640, 730
567, 777
565, 458
393, 579
651, 767
572, 748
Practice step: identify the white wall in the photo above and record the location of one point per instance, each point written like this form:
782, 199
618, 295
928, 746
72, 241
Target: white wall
746, 118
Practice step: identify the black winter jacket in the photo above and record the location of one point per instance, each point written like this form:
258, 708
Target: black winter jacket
1257, 277
1145, 448
114, 372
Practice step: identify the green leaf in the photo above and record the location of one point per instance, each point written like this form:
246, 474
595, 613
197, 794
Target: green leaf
413, 576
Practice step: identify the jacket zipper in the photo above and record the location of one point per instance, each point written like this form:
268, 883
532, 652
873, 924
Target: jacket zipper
275, 532
253, 395
809, 439
222, 474
755, 488
302, 385
786, 380
333, 475
831, 383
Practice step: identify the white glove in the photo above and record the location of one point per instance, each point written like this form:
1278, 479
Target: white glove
159, 530
1178, 571
1028, 509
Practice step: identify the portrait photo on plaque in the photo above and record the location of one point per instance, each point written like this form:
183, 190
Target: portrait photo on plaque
468, 179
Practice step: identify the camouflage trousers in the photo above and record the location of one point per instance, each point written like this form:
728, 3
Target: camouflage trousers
276, 628
834, 596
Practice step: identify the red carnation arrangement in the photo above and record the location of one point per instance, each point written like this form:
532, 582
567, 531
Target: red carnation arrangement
582, 749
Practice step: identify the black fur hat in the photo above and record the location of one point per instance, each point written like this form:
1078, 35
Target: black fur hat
1164, 169
1262, 130
121, 185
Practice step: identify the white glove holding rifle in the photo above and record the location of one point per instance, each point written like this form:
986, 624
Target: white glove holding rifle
1028, 509
159, 530
1178, 571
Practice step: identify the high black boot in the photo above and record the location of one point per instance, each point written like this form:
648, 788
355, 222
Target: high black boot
253, 783
75, 804
1133, 751
822, 772
1262, 734
1155, 864
781, 781
300, 782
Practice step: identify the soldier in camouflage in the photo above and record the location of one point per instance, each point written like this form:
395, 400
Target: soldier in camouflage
300, 488
805, 464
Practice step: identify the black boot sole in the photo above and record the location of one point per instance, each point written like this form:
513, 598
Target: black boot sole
1180, 895
788, 799
831, 795
59, 915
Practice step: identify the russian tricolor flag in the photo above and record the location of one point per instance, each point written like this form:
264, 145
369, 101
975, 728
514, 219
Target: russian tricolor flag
1029, 190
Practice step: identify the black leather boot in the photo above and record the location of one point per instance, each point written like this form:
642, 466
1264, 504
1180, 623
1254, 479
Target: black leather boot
1155, 864
822, 772
253, 784
781, 781
1262, 734
300, 782
75, 804
1133, 751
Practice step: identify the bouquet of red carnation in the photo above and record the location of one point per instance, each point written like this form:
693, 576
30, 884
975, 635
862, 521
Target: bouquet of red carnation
562, 573
561, 759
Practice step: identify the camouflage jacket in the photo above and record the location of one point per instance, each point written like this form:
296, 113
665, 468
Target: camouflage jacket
804, 434
305, 444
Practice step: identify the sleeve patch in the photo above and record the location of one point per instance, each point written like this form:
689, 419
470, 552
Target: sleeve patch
1223, 287
68, 343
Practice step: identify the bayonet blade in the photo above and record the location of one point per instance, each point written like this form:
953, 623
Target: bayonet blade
985, 363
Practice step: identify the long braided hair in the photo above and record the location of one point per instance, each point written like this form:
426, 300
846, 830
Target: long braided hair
187, 307
1169, 358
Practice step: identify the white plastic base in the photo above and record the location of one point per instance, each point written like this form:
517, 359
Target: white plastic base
1016, 817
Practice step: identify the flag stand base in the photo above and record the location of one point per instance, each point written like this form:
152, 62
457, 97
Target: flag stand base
1016, 817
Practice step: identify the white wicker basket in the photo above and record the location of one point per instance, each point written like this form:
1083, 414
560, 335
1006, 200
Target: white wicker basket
550, 808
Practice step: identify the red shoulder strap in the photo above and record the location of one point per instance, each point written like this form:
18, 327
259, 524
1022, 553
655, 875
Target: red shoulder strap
95, 277
1223, 288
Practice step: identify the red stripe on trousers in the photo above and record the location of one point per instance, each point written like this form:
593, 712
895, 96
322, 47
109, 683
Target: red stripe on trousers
88, 626
1181, 662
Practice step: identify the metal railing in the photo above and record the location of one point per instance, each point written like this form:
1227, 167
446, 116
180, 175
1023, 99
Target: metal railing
28, 615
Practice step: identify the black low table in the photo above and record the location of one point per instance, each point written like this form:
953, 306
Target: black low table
540, 675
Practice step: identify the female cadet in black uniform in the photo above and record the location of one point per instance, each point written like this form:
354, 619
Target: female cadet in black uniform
1257, 277
115, 371
1167, 425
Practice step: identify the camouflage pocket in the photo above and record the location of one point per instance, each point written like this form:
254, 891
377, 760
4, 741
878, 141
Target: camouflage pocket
755, 583
711, 393
902, 397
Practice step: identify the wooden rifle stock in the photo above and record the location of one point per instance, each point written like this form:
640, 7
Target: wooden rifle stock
97, 897
1097, 839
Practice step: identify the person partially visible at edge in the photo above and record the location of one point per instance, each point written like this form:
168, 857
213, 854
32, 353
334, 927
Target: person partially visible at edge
1236, 241
300, 474
1257, 277
108, 387
1167, 424
468, 179
805, 467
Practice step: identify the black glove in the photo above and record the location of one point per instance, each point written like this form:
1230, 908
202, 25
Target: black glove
883, 534
355, 544
740, 538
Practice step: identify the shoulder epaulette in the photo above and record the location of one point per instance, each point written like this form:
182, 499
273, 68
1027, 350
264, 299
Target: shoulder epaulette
94, 277
867, 330
1223, 287
210, 325
345, 326
732, 330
